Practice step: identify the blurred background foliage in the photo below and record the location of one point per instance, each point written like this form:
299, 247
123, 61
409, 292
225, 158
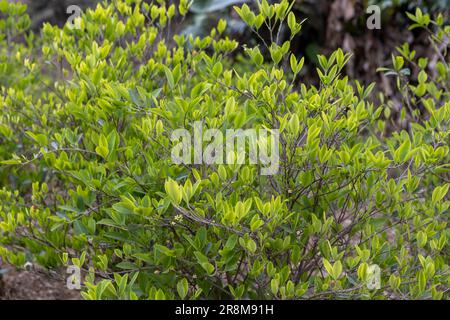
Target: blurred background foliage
329, 24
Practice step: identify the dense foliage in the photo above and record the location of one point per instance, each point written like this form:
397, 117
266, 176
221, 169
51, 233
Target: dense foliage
87, 176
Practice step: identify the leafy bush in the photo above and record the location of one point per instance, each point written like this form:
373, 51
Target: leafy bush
423, 82
88, 179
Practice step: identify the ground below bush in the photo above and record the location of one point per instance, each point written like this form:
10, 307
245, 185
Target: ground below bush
33, 285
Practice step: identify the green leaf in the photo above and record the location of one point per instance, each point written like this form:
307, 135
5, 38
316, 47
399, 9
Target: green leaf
182, 288
274, 286
204, 262
174, 191
39, 138
421, 239
421, 281
11, 162
337, 270
102, 149
439, 193
251, 245
334, 270
123, 208
164, 250
169, 77
402, 153
328, 266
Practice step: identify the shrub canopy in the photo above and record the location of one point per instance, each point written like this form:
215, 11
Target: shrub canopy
88, 179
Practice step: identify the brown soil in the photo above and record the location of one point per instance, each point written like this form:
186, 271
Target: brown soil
35, 284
